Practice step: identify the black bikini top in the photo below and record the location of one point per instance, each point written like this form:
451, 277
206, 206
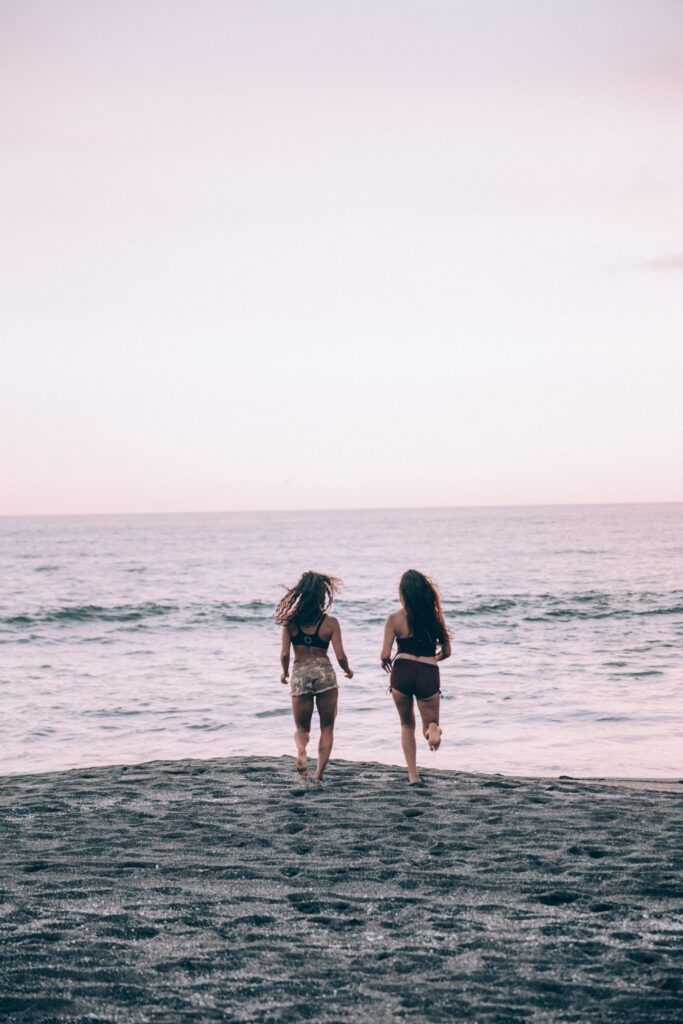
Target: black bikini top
411, 645
311, 639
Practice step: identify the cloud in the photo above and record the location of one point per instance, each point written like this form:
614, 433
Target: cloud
674, 262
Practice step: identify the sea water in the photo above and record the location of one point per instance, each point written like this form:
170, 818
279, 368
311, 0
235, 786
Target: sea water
131, 638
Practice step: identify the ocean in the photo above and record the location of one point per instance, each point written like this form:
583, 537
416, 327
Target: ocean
134, 637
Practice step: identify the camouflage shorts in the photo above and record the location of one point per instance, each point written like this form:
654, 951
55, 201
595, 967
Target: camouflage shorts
313, 676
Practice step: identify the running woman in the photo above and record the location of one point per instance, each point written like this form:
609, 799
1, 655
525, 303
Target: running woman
308, 628
423, 640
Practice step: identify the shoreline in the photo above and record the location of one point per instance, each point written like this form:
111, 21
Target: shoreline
671, 785
231, 890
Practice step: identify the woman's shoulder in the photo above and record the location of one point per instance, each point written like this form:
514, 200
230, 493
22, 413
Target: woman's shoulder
397, 618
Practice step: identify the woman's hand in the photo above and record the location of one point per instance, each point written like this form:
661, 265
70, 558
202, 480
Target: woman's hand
348, 672
284, 655
389, 635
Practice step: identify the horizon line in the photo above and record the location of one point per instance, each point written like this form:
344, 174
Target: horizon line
355, 508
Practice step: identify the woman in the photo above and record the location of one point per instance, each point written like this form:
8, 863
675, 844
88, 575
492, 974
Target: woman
308, 628
423, 640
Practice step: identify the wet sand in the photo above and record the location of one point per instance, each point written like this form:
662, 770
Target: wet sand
230, 890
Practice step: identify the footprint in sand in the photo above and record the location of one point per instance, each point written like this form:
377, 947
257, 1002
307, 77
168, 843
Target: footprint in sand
294, 828
558, 898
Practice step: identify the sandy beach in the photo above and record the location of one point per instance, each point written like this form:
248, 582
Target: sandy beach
229, 890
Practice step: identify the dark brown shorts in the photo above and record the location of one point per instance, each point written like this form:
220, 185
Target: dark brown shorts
415, 678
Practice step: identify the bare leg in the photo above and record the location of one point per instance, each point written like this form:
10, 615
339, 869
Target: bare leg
327, 710
404, 706
429, 713
302, 709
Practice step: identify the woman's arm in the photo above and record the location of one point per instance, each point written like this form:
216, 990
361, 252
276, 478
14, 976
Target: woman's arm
339, 650
388, 643
284, 654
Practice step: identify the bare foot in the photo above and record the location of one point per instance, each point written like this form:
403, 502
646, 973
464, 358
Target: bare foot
301, 763
318, 779
415, 781
433, 736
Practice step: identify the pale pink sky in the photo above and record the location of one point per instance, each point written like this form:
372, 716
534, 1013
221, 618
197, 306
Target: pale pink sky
300, 255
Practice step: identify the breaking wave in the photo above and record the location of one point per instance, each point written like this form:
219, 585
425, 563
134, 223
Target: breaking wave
545, 607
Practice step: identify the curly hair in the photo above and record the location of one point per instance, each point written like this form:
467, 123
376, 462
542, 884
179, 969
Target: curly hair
308, 600
422, 602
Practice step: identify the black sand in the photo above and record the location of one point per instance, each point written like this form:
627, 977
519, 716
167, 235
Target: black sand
228, 890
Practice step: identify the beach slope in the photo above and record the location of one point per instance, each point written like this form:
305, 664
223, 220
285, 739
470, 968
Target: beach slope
230, 890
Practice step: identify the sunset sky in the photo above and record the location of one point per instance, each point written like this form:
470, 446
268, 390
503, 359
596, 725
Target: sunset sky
340, 254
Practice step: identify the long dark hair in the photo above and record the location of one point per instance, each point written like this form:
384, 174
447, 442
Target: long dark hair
422, 602
308, 600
